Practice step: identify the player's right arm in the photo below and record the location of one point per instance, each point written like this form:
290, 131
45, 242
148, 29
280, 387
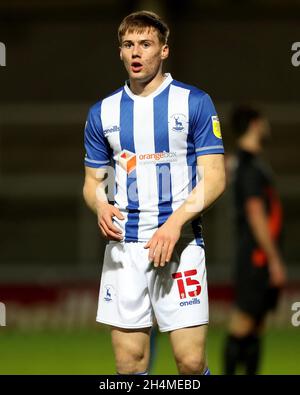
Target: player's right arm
97, 158
96, 199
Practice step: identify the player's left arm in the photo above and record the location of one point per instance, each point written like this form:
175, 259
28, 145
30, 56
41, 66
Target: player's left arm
212, 182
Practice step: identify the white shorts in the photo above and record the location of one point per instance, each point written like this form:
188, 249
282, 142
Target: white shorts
133, 291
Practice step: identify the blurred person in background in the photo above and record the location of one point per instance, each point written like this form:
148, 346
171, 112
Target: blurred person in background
259, 269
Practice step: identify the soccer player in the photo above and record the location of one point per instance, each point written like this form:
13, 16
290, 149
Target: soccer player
260, 272
155, 131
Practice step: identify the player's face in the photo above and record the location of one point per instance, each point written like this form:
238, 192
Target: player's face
142, 54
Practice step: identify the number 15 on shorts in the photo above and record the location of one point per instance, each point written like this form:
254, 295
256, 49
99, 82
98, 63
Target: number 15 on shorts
184, 279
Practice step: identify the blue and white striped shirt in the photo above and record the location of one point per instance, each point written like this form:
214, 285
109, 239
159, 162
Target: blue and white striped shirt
153, 143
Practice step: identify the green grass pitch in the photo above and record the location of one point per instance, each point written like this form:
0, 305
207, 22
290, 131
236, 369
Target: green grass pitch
90, 352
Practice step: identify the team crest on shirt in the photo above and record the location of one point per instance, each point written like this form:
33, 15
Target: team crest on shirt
109, 292
178, 122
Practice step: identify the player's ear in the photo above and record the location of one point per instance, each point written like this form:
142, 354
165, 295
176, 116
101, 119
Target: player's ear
121, 55
165, 52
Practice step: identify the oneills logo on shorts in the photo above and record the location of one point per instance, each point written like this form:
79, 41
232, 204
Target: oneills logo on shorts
216, 126
190, 302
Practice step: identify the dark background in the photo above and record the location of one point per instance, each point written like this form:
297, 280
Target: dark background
62, 56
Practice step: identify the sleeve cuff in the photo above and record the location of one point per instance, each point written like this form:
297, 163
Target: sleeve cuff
96, 163
214, 149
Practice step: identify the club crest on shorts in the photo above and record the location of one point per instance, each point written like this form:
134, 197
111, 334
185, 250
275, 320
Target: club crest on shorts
109, 293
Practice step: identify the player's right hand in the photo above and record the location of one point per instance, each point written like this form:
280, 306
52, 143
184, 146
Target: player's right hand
105, 214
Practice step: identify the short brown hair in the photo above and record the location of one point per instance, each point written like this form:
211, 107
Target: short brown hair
139, 21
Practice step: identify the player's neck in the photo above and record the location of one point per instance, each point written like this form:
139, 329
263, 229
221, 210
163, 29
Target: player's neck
145, 88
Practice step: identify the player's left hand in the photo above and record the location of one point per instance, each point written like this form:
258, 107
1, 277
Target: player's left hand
162, 243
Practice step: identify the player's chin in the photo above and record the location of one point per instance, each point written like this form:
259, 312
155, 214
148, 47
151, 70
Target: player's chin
137, 76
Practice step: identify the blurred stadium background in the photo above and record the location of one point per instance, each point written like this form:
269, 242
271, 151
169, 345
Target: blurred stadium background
62, 56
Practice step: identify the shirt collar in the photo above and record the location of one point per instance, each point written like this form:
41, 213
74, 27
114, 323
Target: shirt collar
168, 79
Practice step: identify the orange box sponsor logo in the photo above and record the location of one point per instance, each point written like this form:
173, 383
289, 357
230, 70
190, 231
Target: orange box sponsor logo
158, 157
127, 160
